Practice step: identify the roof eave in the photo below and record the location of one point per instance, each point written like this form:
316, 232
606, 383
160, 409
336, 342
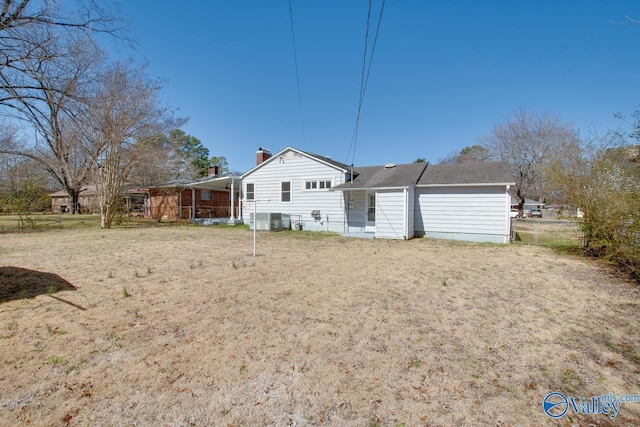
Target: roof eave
467, 184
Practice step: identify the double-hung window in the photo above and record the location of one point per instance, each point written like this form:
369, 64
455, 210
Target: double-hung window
250, 194
285, 191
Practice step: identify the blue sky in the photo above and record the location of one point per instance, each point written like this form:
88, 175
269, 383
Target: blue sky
443, 72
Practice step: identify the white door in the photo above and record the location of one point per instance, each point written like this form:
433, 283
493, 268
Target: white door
370, 220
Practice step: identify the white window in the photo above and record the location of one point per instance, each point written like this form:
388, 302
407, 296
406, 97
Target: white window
250, 191
285, 191
371, 208
317, 184
205, 195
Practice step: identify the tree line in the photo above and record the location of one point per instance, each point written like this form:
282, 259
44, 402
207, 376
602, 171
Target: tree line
73, 116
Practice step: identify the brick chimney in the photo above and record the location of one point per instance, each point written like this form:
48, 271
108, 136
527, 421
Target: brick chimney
213, 171
262, 154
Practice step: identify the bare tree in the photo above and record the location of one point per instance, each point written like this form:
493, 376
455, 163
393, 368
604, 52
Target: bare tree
122, 129
527, 141
46, 57
34, 33
48, 112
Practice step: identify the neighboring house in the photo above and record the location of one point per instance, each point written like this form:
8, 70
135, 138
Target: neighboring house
465, 202
210, 198
529, 204
135, 199
88, 201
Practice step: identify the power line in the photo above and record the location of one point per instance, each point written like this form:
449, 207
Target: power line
364, 79
295, 59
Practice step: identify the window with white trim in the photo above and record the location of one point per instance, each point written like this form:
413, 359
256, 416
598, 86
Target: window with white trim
285, 191
317, 184
205, 195
250, 193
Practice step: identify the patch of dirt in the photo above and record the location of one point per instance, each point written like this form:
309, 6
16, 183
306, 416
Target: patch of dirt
315, 330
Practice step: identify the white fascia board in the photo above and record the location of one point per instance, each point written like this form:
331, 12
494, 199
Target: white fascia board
479, 184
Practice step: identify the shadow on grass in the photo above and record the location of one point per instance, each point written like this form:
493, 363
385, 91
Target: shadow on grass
19, 283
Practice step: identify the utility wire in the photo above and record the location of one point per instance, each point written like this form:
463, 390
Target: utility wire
295, 59
364, 79
354, 135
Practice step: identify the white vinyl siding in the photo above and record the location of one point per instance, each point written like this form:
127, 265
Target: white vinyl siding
295, 168
390, 214
464, 213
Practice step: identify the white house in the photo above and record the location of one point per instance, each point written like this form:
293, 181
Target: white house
297, 184
464, 202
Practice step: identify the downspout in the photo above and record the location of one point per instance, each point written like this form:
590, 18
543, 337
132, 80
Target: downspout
347, 195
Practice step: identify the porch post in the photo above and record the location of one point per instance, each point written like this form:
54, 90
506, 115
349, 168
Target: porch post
193, 203
233, 191
240, 198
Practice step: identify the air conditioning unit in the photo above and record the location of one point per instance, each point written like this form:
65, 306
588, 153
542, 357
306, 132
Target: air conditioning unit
270, 221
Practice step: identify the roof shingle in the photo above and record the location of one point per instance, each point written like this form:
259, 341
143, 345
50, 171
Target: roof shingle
384, 177
468, 173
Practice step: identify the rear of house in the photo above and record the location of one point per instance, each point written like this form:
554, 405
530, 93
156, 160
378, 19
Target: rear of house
464, 202
300, 190
295, 187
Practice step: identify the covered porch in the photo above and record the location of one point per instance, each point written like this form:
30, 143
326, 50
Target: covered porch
209, 208
209, 200
360, 206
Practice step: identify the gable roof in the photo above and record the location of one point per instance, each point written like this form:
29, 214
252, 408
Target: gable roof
85, 190
477, 173
322, 159
90, 190
397, 176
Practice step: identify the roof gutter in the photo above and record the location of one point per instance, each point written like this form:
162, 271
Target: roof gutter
368, 188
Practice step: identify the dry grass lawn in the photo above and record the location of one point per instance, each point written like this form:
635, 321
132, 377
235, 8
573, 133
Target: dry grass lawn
316, 330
